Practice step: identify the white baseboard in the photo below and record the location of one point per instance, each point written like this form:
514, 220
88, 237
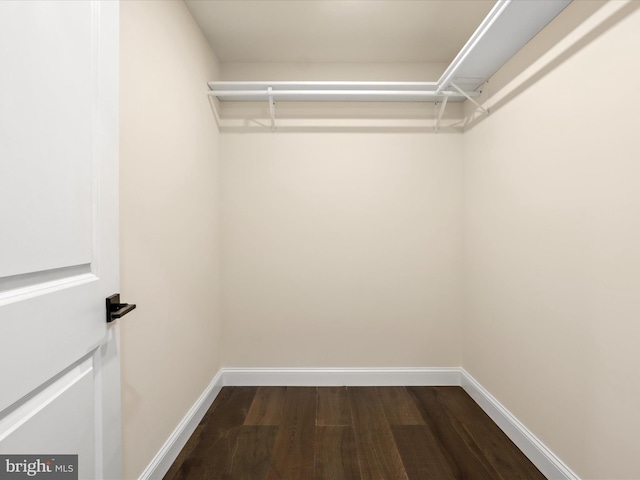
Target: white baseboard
163, 460
536, 451
331, 377
543, 458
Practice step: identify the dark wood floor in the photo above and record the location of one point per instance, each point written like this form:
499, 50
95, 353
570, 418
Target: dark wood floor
368, 433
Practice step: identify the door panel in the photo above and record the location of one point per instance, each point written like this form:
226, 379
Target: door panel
59, 360
43, 335
30, 423
48, 111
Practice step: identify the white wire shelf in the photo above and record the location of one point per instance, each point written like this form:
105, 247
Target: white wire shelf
506, 29
332, 92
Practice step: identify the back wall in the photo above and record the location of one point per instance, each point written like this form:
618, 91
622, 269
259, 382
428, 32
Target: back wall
341, 249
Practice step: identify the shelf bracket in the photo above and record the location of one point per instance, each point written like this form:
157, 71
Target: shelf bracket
440, 114
468, 97
272, 110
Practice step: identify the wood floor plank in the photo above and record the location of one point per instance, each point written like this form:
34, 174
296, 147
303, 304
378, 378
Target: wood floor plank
184, 453
231, 406
197, 465
251, 454
464, 457
266, 408
227, 413
333, 406
496, 447
377, 452
399, 407
336, 457
241, 453
421, 454
294, 444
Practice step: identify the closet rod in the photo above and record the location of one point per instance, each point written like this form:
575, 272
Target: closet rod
339, 95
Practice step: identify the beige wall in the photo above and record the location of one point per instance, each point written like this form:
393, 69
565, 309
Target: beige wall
169, 224
341, 249
552, 231
352, 72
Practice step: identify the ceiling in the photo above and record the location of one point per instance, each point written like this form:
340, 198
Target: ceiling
292, 31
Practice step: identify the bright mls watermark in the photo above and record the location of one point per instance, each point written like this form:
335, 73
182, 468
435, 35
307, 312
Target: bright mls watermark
49, 467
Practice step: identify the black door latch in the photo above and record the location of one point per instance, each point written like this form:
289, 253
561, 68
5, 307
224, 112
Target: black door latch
115, 309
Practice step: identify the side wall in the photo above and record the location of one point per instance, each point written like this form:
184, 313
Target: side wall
169, 223
341, 249
552, 236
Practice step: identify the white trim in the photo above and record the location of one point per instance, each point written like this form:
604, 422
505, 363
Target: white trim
539, 454
353, 377
165, 457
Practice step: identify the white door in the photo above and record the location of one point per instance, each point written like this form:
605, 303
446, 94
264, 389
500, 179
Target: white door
59, 365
